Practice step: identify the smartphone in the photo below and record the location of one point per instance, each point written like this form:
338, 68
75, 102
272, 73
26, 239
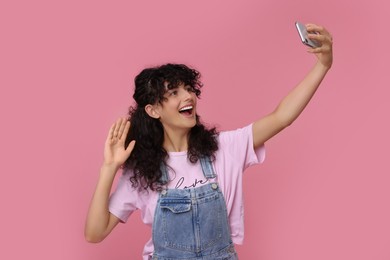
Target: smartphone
303, 34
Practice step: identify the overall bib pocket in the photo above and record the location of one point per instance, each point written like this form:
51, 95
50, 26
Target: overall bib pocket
175, 224
183, 225
176, 206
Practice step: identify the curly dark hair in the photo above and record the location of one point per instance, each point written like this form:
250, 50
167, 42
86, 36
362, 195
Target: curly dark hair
148, 154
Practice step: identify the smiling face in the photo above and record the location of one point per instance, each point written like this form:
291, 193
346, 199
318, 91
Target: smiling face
177, 111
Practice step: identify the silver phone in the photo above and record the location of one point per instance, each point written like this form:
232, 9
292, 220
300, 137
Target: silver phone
303, 34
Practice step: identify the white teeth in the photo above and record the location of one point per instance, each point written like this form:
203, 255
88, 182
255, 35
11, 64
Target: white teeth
185, 108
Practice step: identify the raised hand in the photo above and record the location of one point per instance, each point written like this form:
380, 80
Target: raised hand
324, 53
115, 153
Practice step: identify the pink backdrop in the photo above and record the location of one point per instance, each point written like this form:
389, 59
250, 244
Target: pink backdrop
67, 70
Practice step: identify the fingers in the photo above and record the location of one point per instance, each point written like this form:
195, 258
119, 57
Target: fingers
322, 36
126, 129
315, 50
122, 125
311, 27
117, 127
324, 48
325, 43
323, 39
316, 30
111, 132
130, 147
119, 130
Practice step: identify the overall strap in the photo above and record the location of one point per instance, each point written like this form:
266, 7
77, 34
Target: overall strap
207, 167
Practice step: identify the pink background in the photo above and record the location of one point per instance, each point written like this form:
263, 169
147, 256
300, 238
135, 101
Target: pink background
67, 70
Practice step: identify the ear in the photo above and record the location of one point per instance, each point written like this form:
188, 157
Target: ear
152, 111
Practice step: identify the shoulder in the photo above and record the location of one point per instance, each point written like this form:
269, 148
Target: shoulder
236, 135
237, 145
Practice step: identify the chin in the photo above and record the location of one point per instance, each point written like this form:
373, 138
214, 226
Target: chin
192, 124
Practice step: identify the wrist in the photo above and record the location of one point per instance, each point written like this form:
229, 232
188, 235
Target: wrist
324, 67
109, 168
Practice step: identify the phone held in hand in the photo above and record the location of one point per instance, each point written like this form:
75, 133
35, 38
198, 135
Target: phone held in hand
303, 34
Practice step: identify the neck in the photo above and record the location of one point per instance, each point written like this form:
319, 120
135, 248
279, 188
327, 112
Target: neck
175, 142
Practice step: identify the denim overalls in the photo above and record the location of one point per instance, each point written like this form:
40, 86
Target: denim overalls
192, 223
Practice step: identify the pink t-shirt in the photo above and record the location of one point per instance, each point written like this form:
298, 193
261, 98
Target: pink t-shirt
234, 155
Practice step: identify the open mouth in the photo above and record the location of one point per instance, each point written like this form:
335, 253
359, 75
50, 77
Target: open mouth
187, 110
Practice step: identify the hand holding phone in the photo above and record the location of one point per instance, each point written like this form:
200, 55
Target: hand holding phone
303, 34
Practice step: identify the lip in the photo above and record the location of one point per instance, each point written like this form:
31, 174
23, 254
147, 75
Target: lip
192, 111
188, 105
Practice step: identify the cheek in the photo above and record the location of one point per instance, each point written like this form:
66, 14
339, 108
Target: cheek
169, 110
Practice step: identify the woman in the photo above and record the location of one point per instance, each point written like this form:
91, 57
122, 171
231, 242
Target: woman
186, 179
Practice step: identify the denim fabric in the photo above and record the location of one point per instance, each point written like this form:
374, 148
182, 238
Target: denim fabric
192, 223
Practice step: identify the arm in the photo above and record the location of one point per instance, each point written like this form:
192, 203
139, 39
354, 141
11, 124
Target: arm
293, 104
100, 222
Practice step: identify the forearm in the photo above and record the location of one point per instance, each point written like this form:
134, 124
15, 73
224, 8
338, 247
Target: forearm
98, 219
294, 103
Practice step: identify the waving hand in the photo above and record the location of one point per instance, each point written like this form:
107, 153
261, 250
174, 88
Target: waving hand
114, 150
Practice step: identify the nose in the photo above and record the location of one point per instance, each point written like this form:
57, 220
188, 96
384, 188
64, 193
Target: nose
187, 94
